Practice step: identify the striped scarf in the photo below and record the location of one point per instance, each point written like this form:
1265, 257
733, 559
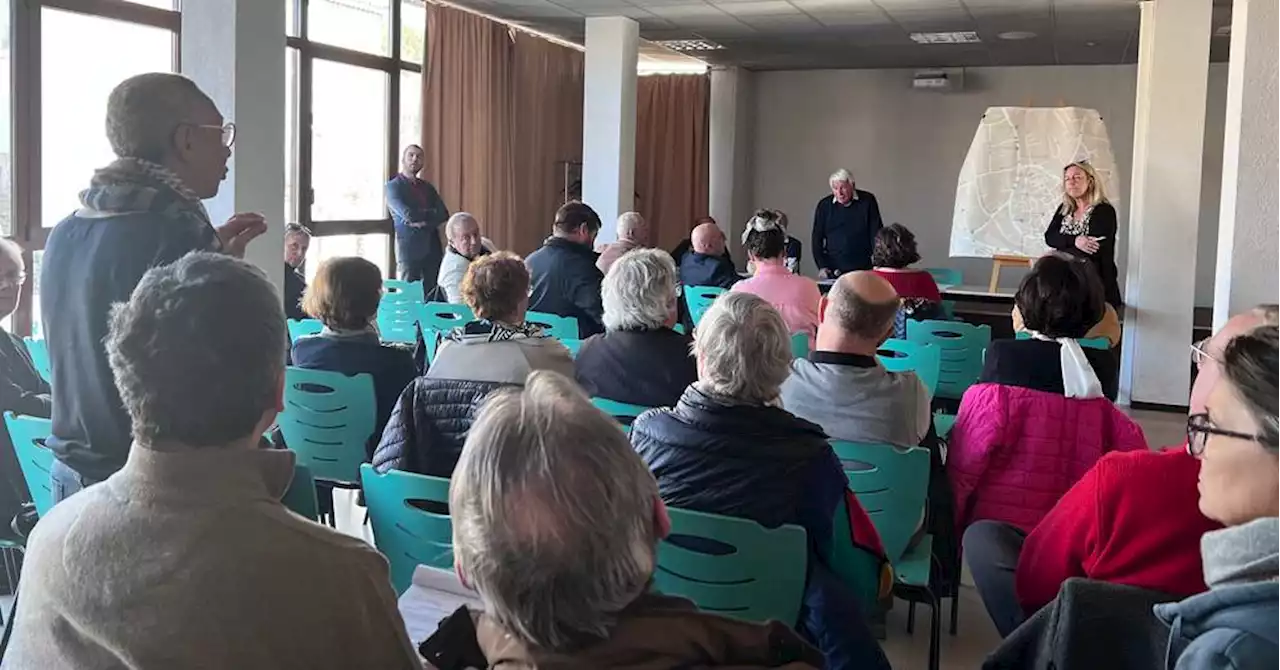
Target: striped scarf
131, 185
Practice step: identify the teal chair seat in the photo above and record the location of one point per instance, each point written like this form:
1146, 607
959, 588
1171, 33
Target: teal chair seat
327, 421
961, 347
922, 359
799, 345
28, 433
554, 325
699, 299
39, 352
444, 316
409, 513
403, 291
734, 567
1101, 343
304, 327
946, 276
622, 412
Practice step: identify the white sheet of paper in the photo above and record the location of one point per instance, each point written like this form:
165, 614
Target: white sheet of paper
434, 595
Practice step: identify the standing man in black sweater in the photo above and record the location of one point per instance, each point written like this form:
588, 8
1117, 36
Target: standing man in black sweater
845, 224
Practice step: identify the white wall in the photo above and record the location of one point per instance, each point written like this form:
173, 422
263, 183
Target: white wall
907, 147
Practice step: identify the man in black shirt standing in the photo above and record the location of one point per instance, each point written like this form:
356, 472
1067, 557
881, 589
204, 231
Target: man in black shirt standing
845, 224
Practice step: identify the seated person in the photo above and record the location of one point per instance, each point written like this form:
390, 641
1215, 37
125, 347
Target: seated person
633, 233
566, 281
875, 406
892, 257
434, 413
297, 239
1108, 327
185, 558
1234, 624
794, 296
728, 428
1037, 420
344, 297
793, 250
1133, 519
465, 245
686, 245
705, 264
639, 359
556, 524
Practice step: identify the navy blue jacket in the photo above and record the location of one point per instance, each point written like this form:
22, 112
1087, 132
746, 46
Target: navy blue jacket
295, 284
416, 200
702, 270
650, 368
91, 262
566, 282
392, 368
844, 235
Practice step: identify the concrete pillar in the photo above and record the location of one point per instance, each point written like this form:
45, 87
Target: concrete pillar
234, 49
1168, 139
731, 127
609, 119
1247, 220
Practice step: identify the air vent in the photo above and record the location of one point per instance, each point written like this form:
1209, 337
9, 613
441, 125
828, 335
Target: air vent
690, 45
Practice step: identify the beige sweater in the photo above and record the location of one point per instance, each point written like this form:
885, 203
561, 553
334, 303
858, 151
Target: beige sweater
188, 560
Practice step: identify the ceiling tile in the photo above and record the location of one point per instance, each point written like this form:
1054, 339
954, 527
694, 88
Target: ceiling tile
784, 24
758, 8
838, 5
697, 9
850, 19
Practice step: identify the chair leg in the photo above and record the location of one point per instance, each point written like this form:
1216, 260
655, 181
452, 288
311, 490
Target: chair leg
955, 607
935, 631
911, 617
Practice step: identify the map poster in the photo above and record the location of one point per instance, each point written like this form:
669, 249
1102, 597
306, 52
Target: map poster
1011, 181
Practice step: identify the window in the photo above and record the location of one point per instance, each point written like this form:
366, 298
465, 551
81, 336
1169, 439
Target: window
360, 25
6, 127
74, 92
373, 247
290, 135
349, 142
410, 109
413, 31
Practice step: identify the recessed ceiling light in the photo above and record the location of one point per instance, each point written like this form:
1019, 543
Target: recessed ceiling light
1091, 43
956, 37
1016, 35
690, 45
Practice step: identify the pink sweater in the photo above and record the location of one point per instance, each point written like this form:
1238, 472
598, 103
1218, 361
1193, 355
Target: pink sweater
796, 297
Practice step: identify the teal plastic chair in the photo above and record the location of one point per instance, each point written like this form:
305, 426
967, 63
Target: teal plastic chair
28, 433
948, 276
327, 420
622, 412
858, 568
892, 485
554, 325
573, 345
699, 299
1087, 342
734, 567
799, 345
301, 495
405, 528
444, 316
304, 327
679, 328
398, 321
400, 290
39, 352
961, 347
922, 359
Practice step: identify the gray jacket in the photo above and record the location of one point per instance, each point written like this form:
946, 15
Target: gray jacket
855, 399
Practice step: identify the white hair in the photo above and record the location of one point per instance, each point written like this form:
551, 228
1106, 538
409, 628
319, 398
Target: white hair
743, 348
841, 175
639, 292
628, 224
456, 221
553, 514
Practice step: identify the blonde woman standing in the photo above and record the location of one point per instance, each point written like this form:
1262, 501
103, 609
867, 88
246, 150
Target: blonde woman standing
1085, 226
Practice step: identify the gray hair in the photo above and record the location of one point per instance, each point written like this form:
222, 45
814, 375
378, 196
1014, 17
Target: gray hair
639, 292
1250, 363
841, 175
743, 348
144, 111
553, 514
456, 221
198, 351
628, 224
858, 316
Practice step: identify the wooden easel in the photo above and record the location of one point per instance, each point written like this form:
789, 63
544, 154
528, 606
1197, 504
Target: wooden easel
998, 262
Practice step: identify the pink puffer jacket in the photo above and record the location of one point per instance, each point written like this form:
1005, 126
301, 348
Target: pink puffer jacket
1015, 451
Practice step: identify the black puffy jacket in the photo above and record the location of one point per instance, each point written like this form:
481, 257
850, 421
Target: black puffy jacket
429, 425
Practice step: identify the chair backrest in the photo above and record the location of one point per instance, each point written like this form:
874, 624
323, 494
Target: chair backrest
949, 276
559, 327
444, 316
891, 484
28, 433
799, 345
961, 347
699, 299
858, 568
327, 420
399, 290
409, 513
39, 352
574, 345
1087, 342
301, 495
303, 327
622, 412
734, 567
398, 320
922, 359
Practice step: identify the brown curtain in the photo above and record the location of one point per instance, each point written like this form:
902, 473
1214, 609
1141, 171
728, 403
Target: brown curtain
672, 155
500, 109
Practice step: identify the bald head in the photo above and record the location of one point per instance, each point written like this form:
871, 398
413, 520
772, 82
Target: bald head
708, 239
859, 314
1210, 369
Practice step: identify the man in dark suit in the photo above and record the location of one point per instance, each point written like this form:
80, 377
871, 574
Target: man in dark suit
417, 211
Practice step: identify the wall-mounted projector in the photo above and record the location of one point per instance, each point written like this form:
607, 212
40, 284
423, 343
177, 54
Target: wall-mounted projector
936, 80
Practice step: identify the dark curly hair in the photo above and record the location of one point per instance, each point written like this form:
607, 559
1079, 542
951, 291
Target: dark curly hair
575, 214
345, 293
1061, 297
495, 286
895, 248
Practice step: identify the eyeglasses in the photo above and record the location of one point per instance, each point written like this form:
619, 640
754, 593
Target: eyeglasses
228, 130
1200, 353
1200, 427
13, 280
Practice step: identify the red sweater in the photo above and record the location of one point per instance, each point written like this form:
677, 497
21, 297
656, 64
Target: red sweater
1133, 519
912, 284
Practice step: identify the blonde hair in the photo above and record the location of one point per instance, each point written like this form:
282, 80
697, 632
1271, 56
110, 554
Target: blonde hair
1093, 196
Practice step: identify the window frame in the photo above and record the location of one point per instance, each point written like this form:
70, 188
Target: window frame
391, 66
